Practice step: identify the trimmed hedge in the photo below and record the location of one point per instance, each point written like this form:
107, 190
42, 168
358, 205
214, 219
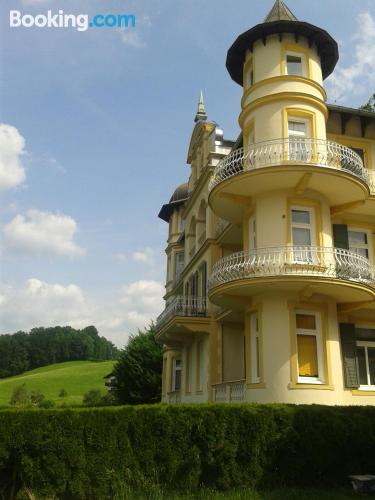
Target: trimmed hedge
103, 453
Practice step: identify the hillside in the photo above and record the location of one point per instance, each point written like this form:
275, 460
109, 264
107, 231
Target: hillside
76, 377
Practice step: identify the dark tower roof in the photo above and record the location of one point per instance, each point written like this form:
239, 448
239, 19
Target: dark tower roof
281, 20
179, 196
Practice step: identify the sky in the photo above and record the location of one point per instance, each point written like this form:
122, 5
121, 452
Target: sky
94, 132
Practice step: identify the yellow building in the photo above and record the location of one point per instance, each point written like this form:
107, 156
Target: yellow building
270, 293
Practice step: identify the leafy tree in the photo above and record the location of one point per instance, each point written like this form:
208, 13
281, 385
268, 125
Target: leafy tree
46, 404
370, 105
44, 346
137, 373
20, 396
92, 397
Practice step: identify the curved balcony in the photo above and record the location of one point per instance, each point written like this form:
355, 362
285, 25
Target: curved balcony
282, 164
294, 268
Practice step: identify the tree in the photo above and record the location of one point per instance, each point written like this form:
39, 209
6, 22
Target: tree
63, 393
20, 396
137, 373
370, 105
92, 397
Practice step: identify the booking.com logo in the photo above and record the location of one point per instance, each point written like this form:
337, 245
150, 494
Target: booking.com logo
81, 22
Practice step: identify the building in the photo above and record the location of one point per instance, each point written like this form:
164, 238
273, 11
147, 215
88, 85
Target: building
270, 293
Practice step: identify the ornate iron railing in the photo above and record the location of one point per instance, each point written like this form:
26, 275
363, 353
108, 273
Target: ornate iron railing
229, 391
371, 174
183, 306
294, 151
326, 262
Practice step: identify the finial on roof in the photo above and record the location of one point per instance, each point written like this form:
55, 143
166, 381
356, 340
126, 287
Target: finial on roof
280, 12
201, 113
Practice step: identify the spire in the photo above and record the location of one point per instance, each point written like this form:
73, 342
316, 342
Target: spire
201, 113
280, 12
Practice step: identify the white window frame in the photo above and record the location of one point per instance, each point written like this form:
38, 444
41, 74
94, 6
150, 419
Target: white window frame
368, 247
252, 233
366, 344
303, 63
176, 368
178, 269
305, 121
319, 346
254, 348
302, 225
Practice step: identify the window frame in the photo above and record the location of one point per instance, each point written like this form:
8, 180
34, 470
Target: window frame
302, 56
255, 348
365, 344
320, 379
301, 225
368, 234
176, 369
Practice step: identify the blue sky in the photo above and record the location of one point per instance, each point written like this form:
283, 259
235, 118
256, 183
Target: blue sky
94, 136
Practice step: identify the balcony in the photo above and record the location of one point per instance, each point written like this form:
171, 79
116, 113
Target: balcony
294, 268
186, 307
332, 169
229, 391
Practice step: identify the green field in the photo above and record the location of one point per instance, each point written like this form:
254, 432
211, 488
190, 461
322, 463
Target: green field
76, 377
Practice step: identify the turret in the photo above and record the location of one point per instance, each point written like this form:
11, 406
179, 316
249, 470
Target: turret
281, 64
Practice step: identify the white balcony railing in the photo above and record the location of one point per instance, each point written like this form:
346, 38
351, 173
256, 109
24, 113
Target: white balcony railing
325, 262
183, 306
229, 391
278, 152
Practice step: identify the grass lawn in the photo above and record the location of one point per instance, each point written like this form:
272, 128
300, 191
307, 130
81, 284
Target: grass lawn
76, 377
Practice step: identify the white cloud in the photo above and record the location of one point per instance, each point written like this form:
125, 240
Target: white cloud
40, 232
37, 303
12, 172
360, 75
146, 256
132, 38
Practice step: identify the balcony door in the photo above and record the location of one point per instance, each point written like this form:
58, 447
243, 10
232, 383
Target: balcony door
303, 235
298, 132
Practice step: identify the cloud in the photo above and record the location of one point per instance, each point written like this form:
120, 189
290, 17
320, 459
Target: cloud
360, 75
37, 303
12, 172
148, 256
132, 38
40, 232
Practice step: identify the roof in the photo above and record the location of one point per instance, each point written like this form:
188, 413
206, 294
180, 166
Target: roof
281, 20
179, 196
280, 12
351, 111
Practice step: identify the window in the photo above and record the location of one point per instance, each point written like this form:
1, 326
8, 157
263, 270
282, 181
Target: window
181, 224
366, 364
252, 233
176, 375
309, 347
180, 263
295, 64
359, 242
299, 146
254, 347
199, 368
303, 233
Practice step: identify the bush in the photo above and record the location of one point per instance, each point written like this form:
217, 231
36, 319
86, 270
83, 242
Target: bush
46, 404
92, 397
63, 393
96, 454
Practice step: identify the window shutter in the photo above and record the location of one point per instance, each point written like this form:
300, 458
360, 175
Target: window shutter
349, 356
340, 236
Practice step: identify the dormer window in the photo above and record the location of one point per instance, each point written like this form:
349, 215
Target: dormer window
294, 64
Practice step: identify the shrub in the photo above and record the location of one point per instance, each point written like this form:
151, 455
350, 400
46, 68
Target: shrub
92, 397
96, 454
63, 393
36, 398
46, 404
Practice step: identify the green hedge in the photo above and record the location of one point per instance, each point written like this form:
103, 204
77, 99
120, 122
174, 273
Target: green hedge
102, 453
